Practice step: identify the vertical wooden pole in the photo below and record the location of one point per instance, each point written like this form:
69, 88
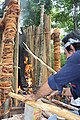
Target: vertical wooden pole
0, 68
16, 56
42, 41
15, 83
56, 39
29, 40
37, 52
32, 48
47, 28
0, 49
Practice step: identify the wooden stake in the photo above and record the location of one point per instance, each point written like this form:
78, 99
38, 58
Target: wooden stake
46, 107
16, 56
47, 35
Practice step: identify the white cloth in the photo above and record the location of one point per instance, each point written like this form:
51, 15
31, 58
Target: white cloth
75, 102
28, 113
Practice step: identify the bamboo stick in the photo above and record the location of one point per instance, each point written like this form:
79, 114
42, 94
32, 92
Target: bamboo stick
61, 104
46, 107
37, 58
64, 105
16, 55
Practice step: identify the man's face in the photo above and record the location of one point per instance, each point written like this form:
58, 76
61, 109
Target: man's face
69, 53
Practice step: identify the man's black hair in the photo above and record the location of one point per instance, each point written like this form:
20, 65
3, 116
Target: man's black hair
71, 39
72, 35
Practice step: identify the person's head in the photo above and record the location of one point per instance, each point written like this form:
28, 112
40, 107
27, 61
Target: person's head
71, 43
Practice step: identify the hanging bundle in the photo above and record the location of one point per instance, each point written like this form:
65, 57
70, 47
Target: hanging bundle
10, 29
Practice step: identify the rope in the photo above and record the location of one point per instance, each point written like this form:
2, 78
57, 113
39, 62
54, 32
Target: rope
6, 87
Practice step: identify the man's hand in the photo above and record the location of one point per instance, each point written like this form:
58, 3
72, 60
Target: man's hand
67, 92
53, 94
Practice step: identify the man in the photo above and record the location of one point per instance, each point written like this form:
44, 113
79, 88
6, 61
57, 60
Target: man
69, 73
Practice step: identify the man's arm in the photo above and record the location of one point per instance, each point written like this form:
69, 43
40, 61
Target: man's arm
43, 91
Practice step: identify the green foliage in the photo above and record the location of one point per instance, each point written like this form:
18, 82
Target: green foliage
63, 14
63, 59
52, 55
1, 0
48, 6
30, 11
32, 17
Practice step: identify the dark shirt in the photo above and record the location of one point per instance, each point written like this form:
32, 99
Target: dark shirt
69, 73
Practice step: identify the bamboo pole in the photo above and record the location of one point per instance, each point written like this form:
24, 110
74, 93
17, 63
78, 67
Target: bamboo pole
46, 107
47, 35
36, 51
16, 55
0, 66
42, 41
37, 58
32, 48
59, 103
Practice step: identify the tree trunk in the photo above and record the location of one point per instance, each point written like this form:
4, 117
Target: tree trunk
75, 17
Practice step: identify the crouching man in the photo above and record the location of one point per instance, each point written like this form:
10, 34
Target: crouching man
69, 73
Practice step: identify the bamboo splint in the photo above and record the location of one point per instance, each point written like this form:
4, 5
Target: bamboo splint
47, 107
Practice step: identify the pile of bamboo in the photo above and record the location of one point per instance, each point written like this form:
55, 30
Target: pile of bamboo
47, 107
16, 117
10, 29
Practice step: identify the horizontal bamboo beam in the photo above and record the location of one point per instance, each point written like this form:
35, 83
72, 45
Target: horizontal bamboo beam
47, 107
59, 103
